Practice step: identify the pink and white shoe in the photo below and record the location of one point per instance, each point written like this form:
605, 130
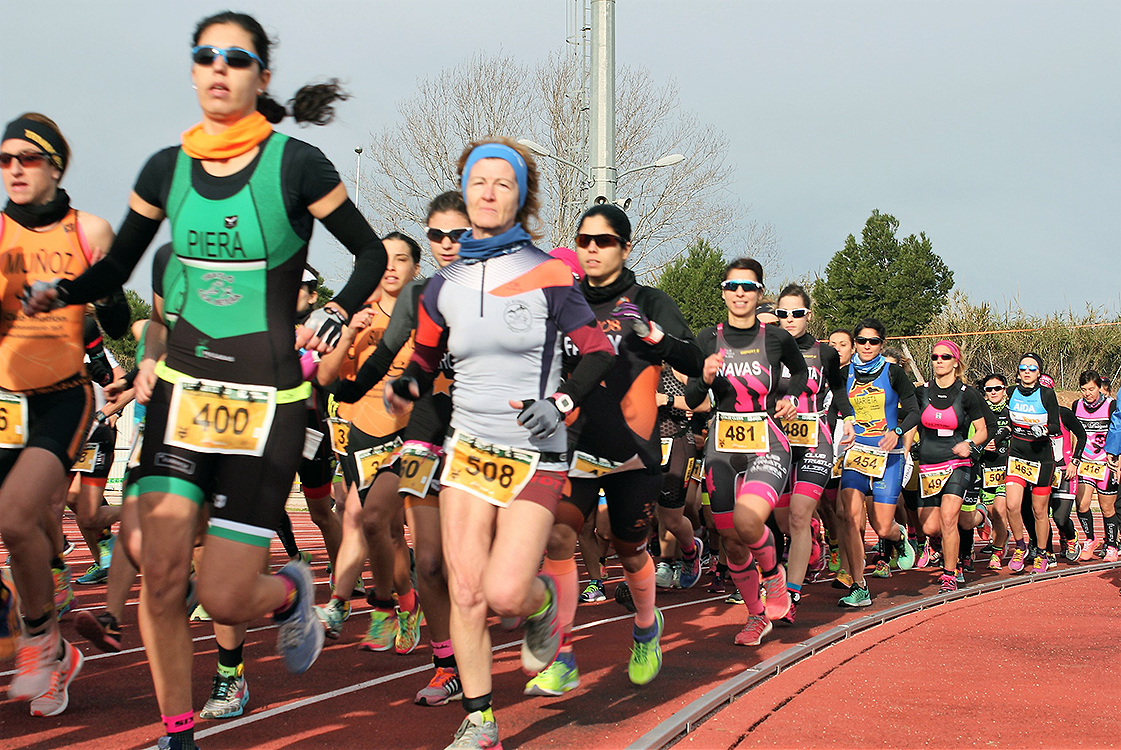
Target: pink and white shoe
754, 631
1111, 554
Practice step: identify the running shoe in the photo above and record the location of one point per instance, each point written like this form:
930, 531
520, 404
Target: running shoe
67, 546
1016, 564
988, 549
690, 569
778, 598
947, 583
717, 585
677, 567
735, 597
359, 586
994, 561
882, 570
663, 575
788, 618
381, 635
906, 551
1039, 565
63, 591
408, 630
1111, 554
646, 656
303, 556
332, 615
816, 562
9, 622
967, 564
985, 530
557, 678
105, 551
94, 574
924, 558
834, 559
935, 559
36, 662
510, 624
476, 734
102, 631
753, 631
623, 597
228, 697
300, 637
843, 580
1089, 547
542, 640
593, 592
1071, 551
166, 743
857, 597
441, 689
959, 576
57, 698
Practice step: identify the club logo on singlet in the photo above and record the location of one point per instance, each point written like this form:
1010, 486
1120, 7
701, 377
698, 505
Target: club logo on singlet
739, 368
220, 293
517, 316
230, 221
868, 404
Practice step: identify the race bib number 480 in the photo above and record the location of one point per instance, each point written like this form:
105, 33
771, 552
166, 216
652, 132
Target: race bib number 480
742, 433
495, 473
13, 420
210, 416
801, 430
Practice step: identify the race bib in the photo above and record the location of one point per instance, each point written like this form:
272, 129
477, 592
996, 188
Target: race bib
312, 439
698, 471
369, 460
87, 459
932, 482
13, 420
418, 467
667, 444
992, 479
494, 473
587, 466
871, 462
209, 416
838, 465
1024, 469
1096, 470
340, 434
801, 430
742, 433
1057, 479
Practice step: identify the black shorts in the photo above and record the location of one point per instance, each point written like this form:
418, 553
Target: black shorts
58, 422
763, 474
959, 483
247, 492
631, 496
101, 445
678, 469
374, 452
317, 471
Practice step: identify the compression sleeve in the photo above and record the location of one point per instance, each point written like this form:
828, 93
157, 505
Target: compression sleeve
678, 346
696, 391
1074, 426
112, 271
596, 358
351, 229
791, 356
838, 385
113, 313
908, 404
1051, 404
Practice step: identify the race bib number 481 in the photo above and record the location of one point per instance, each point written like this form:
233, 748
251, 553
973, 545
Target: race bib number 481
742, 433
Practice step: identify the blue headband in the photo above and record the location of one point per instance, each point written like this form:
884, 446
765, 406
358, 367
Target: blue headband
508, 155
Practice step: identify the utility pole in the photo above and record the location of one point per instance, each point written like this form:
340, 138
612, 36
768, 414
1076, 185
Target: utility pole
358, 176
602, 135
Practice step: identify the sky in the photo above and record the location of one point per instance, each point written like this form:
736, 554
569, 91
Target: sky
992, 126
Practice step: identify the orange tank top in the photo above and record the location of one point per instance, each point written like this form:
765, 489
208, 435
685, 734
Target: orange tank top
41, 351
368, 414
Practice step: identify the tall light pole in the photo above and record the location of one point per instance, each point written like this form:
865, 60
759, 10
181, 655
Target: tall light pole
602, 136
358, 176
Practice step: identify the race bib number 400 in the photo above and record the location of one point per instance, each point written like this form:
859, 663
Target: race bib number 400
1024, 469
742, 433
495, 473
210, 416
871, 462
13, 420
801, 430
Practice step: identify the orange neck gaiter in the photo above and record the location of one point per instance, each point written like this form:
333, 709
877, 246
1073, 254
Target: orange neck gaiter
242, 136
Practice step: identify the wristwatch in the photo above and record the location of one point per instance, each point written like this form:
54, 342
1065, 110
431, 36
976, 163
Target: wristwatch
564, 403
899, 431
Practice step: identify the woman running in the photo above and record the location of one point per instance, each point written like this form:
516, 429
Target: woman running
226, 416
46, 401
1095, 410
993, 464
883, 401
501, 312
617, 447
811, 437
841, 340
747, 457
953, 424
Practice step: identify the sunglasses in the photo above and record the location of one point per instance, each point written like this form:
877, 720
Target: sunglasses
993, 388
438, 235
798, 312
235, 57
874, 341
601, 240
26, 159
741, 285
1029, 368
943, 357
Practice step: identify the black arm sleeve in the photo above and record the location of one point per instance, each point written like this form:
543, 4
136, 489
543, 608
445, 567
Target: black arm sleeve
112, 271
401, 325
908, 404
587, 374
794, 361
975, 408
837, 380
113, 314
1051, 404
1074, 427
678, 346
696, 391
351, 229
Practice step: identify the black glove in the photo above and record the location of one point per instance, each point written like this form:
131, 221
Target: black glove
647, 330
327, 322
99, 370
402, 387
541, 417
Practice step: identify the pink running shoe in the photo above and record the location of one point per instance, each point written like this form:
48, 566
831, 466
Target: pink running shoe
947, 582
1111, 554
1088, 549
1040, 564
1016, 564
994, 561
754, 631
777, 597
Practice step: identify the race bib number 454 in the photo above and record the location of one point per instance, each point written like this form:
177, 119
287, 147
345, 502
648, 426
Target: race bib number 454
210, 416
494, 473
871, 462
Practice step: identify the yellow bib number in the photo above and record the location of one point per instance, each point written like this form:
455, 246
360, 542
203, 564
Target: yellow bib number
1096, 470
369, 460
87, 459
871, 462
742, 433
418, 467
1026, 470
13, 420
698, 474
1057, 479
340, 434
494, 473
993, 478
210, 416
667, 445
837, 466
932, 482
134, 452
587, 466
801, 430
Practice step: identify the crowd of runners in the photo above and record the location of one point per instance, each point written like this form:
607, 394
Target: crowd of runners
462, 437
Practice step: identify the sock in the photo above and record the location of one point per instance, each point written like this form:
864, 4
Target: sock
285, 610
947, 571
966, 549
794, 589
57, 563
230, 662
481, 704
645, 635
37, 625
407, 602
105, 534
565, 577
1086, 518
342, 599
765, 554
385, 605
690, 552
1110, 530
747, 582
721, 568
443, 655
642, 591
181, 728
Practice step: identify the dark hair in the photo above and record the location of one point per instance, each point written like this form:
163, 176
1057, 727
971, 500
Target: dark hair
414, 248
527, 214
64, 151
311, 104
795, 290
1090, 376
614, 216
745, 264
993, 375
312, 286
845, 331
452, 200
872, 323
1038, 360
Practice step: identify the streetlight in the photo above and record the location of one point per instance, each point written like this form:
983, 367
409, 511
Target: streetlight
666, 161
358, 176
540, 150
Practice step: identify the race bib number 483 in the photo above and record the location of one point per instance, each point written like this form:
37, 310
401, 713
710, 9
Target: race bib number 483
494, 473
210, 416
1024, 469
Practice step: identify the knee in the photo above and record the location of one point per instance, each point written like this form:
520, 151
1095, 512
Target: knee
17, 528
628, 550
430, 566
800, 518
506, 596
883, 528
562, 542
734, 549
165, 583
321, 513
224, 605
467, 595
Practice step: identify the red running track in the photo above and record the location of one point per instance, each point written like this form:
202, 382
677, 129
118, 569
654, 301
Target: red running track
356, 699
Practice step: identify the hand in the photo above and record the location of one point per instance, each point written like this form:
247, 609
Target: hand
541, 416
114, 390
399, 394
1071, 470
99, 370
326, 326
961, 450
908, 467
848, 435
661, 399
145, 381
713, 363
1113, 463
640, 324
785, 409
1038, 430
42, 296
889, 441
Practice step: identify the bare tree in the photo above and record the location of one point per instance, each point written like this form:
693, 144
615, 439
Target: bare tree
414, 159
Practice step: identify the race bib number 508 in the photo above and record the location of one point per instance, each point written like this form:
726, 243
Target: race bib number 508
494, 473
